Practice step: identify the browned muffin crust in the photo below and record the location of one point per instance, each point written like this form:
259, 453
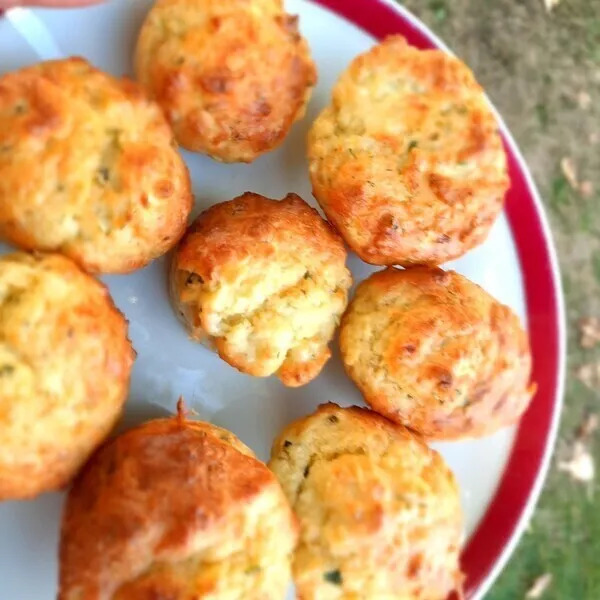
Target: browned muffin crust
65, 363
432, 350
379, 512
175, 509
264, 281
407, 161
88, 167
231, 75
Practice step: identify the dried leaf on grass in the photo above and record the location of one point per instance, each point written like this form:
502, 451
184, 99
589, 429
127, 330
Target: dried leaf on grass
589, 375
539, 586
583, 99
588, 426
589, 327
550, 4
569, 171
594, 137
581, 464
586, 189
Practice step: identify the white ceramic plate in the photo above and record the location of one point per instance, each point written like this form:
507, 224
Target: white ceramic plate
521, 274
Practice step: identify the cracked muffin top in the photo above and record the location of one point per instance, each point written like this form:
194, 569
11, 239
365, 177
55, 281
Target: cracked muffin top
231, 75
88, 167
176, 509
379, 511
65, 363
266, 282
407, 161
432, 350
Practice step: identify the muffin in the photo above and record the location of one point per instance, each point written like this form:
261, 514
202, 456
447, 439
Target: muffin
433, 351
379, 511
263, 281
231, 75
88, 167
407, 161
176, 509
65, 362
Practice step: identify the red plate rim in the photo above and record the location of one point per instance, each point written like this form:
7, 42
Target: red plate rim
500, 528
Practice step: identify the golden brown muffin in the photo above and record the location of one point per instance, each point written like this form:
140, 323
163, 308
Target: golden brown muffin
64, 371
431, 350
180, 510
379, 512
265, 281
231, 75
88, 167
407, 161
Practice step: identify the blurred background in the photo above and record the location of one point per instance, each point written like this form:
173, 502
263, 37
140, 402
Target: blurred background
539, 61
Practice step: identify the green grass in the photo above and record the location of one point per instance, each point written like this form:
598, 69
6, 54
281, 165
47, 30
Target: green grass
560, 193
542, 115
596, 265
439, 9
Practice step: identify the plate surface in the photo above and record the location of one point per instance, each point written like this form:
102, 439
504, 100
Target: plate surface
500, 476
